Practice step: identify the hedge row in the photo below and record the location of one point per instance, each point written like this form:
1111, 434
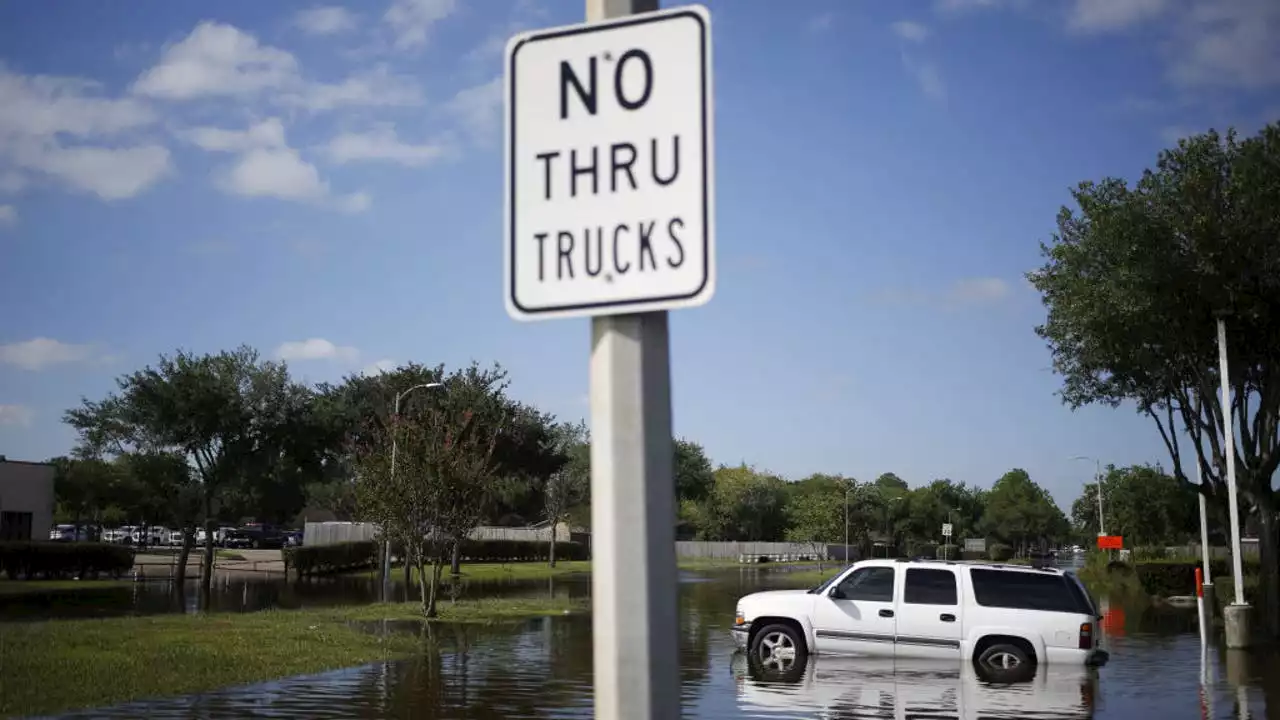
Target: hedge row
329, 559
342, 557
1165, 578
50, 560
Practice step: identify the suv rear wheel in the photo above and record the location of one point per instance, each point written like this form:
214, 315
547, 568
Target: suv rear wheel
1005, 662
779, 648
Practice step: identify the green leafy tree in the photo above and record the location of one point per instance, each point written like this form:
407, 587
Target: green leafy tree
1142, 503
1022, 514
744, 504
570, 484
1134, 282
224, 414
816, 518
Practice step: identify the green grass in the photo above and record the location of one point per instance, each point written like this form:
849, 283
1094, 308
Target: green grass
26, 587
59, 665
540, 570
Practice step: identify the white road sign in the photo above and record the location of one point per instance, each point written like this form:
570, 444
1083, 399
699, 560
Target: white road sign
946, 530
609, 167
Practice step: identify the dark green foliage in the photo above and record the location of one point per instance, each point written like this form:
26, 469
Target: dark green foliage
1166, 578
999, 552
520, 550
56, 560
329, 559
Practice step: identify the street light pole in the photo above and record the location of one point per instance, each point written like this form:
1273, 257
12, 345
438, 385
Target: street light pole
847, 488
386, 543
1097, 478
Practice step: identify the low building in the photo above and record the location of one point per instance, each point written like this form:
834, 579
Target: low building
26, 500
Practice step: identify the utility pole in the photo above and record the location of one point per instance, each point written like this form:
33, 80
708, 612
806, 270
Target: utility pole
1237, 613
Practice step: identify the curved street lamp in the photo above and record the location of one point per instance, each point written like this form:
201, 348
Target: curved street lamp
1098, 479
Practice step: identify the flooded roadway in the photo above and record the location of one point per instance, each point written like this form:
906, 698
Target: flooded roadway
542, 669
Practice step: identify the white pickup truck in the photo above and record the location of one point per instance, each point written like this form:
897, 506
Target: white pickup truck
1002, 617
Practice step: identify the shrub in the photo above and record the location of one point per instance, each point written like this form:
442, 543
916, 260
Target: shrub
28, 560
329, 559
924, 549
1165, 578
342, 557
948, 552
998, 552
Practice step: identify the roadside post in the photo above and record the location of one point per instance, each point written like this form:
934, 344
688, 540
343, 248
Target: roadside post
1200, 608
1205, 551
609, 215
1235, 615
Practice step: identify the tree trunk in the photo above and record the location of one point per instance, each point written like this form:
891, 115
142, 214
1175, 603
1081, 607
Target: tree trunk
426, 585
455, 562
1269, 580
180, 573
206, 579
408, 571
551, 549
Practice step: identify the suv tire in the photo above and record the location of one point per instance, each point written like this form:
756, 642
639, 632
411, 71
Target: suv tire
1005, 662
778, 648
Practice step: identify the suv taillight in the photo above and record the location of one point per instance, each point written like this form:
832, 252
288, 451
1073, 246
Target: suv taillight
1086, 636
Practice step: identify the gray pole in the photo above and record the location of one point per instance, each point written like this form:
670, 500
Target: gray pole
846, 524
1098, 474
633, 580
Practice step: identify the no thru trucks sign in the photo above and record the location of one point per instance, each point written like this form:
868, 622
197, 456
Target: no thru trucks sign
609, 167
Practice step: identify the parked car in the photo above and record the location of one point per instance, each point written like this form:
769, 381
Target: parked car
1000, 617
253, 537
72, 533
236, 539
293, 538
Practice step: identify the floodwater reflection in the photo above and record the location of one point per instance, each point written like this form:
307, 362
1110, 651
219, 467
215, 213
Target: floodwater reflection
542, 669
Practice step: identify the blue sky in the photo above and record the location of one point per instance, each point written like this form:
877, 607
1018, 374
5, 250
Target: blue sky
325, 183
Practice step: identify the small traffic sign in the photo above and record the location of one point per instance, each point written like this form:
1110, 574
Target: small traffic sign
609, 183
946, 530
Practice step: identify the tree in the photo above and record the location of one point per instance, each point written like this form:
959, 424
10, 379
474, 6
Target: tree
570, 484
444, 470
1143, 504
1134, 282
817, 518
1021, 513
744, 504
694, 476
224, 414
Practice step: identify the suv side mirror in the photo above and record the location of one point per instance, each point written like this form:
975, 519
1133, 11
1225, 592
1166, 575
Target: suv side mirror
837, 593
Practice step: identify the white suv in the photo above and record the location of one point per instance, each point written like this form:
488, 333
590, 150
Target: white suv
1002, 617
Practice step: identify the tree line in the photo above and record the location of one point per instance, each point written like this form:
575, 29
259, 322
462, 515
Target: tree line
198, 440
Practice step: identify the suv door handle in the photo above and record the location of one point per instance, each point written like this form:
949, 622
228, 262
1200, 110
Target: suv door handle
886, 613
947, 617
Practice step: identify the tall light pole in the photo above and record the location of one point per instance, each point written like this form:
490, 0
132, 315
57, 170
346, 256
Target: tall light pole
847, 488
1102, 527
386, 545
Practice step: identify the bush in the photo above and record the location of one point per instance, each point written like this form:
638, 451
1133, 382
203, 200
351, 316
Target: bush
927, 550
329, 559
1165, 578
50, 560
343, 557
948, 552
998, 552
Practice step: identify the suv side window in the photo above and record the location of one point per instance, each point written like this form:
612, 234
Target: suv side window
930, 587
1025, 591
873, 583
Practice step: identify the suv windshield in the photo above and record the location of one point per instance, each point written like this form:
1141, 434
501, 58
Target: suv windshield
825, 584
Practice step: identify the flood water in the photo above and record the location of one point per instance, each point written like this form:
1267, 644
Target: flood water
542, 669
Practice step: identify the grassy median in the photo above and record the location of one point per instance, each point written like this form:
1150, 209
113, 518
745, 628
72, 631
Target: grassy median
542, 571
58, 665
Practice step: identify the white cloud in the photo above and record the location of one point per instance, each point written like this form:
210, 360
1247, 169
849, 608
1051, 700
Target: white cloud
376, 88
316, 349
965, 5
411, 20
15, 415
8, 215
908, 30
47, 125
1102, 15
109, 173
266, 134
379, 367
39, 353
266, 166
479, 108
329, 20
1231, 43
926, 75
979, 290
217, 59
382, 144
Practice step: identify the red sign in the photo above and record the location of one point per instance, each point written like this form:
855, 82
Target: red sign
1110, 542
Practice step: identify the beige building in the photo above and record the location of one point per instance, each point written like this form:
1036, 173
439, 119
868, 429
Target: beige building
26, 500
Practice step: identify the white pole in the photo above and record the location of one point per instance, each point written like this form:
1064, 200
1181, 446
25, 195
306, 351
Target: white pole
633, 583
846, 524
1102, 527
1204, 525
1229, 448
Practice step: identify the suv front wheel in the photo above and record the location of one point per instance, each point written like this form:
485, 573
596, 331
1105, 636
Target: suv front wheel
1005, 662
779, 648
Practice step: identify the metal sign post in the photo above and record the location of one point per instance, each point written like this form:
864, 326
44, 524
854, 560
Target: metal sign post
609, 215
